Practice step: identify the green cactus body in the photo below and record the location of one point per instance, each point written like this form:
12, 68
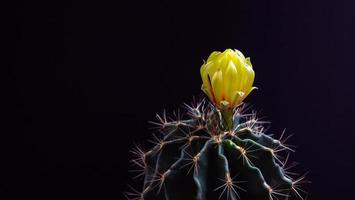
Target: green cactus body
196, 159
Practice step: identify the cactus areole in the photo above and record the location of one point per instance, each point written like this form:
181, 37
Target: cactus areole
219, 151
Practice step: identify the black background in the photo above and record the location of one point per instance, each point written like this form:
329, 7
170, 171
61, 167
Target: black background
85, 78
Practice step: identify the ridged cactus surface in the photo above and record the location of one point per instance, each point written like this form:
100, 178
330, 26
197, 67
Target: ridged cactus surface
195, 159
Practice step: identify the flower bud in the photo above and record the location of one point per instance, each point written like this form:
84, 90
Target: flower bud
227, 78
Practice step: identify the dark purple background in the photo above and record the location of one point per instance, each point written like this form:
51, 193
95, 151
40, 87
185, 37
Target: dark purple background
86, 78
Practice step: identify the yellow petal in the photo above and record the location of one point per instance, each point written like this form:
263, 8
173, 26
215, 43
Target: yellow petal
248, 62
248, 79
237, 98
247, 93
229, 78
212, 67
207, 92
217, 85
213, 55
224, 59
239, 54
205, 78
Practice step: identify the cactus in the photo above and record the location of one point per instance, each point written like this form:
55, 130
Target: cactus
215, 153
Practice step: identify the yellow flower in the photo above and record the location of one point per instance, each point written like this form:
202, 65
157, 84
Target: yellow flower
227, 78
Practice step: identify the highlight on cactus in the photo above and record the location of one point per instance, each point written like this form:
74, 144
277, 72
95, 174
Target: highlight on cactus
220, 151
